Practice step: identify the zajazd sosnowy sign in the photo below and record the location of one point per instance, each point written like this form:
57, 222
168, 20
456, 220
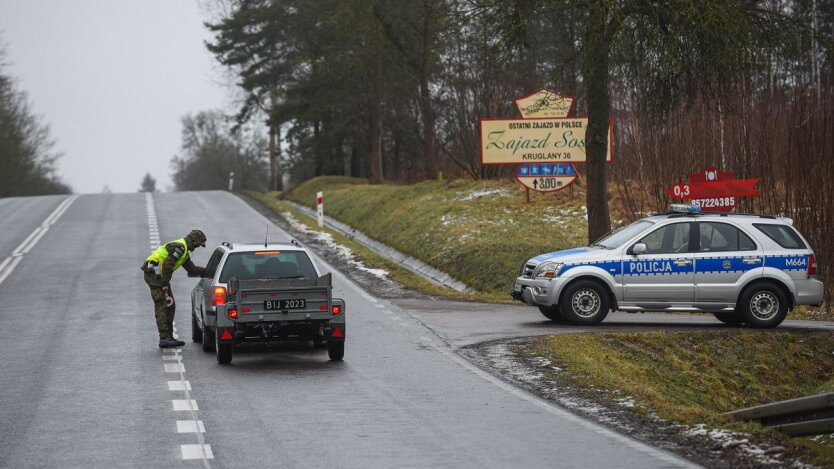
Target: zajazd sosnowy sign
545, 141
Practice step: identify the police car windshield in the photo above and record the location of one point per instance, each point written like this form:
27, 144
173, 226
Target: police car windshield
619, 236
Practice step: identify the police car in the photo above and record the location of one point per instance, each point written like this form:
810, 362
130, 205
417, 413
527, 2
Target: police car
744, 269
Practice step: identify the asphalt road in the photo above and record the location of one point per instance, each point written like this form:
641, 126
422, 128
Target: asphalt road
83, 384
461, 323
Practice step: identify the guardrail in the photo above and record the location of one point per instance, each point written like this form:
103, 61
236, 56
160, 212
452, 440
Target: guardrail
812, 415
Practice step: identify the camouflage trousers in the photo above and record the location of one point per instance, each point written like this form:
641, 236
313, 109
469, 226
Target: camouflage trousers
164, 306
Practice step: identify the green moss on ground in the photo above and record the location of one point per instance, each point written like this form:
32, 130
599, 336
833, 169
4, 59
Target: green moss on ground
694, 377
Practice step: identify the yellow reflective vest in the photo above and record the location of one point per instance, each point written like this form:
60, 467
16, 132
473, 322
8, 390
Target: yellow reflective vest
161, 254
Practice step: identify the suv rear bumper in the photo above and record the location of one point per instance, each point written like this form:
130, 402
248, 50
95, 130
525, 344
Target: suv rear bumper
808, 292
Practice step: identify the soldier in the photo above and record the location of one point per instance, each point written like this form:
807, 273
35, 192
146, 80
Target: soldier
158, 268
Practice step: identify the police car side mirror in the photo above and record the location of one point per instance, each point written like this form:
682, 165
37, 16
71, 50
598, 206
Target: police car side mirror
639, 248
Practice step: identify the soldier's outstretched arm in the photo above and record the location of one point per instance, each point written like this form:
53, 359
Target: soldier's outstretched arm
192, 268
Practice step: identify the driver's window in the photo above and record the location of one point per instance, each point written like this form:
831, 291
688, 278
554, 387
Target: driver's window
211, 267
668, 239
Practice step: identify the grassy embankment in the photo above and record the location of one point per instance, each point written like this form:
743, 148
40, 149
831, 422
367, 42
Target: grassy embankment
694, 377
477, 231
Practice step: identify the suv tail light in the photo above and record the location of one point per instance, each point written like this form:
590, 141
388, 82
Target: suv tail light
812, 266
219, 296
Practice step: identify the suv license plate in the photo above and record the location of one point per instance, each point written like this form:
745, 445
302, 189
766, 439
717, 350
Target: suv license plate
272, 305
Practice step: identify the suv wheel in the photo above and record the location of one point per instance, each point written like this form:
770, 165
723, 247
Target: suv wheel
584, 302
732, 319
551, 312
763, 306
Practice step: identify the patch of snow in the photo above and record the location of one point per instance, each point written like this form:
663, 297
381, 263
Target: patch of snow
728, 439
342, 251
626, 402
485, 192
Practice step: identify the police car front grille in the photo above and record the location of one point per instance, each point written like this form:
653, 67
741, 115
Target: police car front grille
527, 271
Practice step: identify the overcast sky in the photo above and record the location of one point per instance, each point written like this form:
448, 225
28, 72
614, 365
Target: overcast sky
112, 79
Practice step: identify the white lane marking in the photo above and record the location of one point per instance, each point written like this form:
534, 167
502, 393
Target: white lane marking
396, 318
174, 367
425, 339
19, 249
179, 386
8, 271
185, 404
10, 263
196, 452
201, 450
379, 305
190, 426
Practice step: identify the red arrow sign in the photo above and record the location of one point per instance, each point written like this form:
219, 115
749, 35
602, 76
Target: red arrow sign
702, 190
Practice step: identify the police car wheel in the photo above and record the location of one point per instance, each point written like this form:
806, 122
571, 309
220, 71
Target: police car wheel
196, 333
763, 306
584, 302
551, 312
732, 319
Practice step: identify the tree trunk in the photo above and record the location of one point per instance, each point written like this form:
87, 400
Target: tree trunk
597, 44
427, 113
375, 123
273, 158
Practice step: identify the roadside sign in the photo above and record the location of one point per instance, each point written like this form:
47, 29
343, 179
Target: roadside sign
714, 190
546, 177
701, 190
544, 103
548, 140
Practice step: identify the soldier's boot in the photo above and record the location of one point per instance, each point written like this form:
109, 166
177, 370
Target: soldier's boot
170, 343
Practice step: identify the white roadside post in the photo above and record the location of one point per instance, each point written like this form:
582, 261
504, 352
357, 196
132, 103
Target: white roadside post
320, 208
231, 181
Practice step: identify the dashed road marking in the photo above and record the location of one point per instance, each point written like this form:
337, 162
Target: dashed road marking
174, 367
171, 357
179, 386
190, 426
196, 452
185, 404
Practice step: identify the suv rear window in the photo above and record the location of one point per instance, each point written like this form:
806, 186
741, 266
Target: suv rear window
784, 235
268, 265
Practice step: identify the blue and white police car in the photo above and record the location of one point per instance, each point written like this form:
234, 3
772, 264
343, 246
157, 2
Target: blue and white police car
744, 269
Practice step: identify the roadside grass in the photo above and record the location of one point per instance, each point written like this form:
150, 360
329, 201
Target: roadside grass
396, 272
479, 232
694, 377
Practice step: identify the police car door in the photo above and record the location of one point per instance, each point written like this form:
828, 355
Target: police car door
725, 255
664, 275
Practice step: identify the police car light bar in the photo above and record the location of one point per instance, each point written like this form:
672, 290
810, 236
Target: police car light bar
683, 208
